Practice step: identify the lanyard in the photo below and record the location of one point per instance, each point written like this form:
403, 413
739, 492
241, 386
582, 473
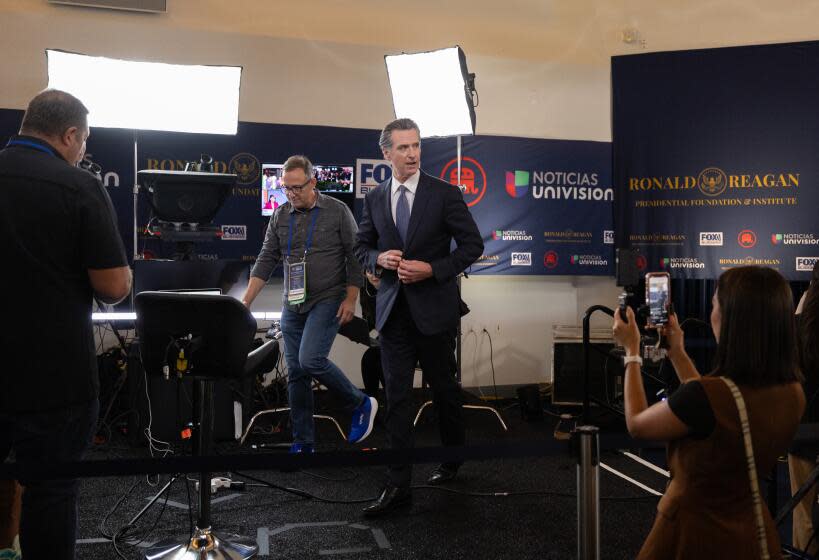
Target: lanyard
309, 240
32, 145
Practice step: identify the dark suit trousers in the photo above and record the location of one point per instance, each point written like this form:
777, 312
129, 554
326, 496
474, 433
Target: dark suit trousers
402, 346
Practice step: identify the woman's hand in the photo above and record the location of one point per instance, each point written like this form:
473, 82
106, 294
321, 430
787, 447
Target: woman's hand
625, 334
674, 336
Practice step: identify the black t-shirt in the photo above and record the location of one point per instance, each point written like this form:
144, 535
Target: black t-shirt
691, 405
56, 222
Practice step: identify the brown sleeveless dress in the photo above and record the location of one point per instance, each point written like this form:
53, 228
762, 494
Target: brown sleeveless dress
707, 511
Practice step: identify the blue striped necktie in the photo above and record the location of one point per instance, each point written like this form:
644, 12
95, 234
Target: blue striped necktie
402, 213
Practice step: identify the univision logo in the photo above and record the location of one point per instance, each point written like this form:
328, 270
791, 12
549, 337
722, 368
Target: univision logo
794, 239
510, 235
588, 260
517, 183
681, 262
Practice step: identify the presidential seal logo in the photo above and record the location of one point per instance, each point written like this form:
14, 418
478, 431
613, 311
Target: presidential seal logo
712, 181
246, 166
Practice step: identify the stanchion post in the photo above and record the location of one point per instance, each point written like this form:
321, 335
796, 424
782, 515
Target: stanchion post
587, 448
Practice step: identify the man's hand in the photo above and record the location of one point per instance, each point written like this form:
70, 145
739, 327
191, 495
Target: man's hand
414, 271
390, 259
346, 311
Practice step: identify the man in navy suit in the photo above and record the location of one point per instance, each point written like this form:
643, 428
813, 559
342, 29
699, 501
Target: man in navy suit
405, 236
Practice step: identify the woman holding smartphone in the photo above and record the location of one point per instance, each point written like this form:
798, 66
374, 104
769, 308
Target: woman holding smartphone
712, 507
802, 455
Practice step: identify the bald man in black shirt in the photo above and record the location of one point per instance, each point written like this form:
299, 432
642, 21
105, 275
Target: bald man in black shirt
61, 247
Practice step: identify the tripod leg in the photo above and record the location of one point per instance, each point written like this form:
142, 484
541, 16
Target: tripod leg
153, 500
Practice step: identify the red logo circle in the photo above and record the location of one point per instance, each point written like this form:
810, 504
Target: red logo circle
550, 259
473, 177
642, 263
746, 238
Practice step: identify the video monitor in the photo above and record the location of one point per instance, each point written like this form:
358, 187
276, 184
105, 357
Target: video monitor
185, 196
334, 178
329, 179
273, 195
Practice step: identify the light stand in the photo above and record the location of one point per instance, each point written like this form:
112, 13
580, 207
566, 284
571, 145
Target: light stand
443, 104
587, 398
459, 336
136, 195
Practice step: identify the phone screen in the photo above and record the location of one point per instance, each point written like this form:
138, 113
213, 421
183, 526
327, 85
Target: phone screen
657, 294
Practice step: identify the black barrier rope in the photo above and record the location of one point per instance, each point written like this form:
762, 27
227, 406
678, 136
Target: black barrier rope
216, 463
301, 461
244, 462
170, 465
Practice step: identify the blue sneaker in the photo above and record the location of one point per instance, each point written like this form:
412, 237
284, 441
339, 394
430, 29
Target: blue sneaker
363, 420
302, 448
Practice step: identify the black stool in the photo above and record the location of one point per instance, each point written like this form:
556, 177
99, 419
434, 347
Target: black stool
207, 337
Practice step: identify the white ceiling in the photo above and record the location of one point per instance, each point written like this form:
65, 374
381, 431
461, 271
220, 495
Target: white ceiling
582, 31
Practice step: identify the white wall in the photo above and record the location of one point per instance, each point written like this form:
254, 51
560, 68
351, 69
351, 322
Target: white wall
542, 71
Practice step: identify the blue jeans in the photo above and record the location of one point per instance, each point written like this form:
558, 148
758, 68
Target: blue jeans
48, 524
308, 338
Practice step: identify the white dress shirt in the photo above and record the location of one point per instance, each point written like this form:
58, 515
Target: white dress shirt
411, 184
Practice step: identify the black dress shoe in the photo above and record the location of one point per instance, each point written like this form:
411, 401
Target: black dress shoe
392, 498
442, 474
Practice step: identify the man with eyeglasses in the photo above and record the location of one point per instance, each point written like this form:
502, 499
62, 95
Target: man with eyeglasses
312, 235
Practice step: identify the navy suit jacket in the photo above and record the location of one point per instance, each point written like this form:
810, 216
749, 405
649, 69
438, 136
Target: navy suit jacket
439, 215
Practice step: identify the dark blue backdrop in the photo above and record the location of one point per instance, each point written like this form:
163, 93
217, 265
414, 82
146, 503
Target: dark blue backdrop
543, 206
715, 158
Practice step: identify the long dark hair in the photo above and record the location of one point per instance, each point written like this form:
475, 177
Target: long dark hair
757, 338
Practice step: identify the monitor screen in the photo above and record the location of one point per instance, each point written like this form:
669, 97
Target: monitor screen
334, 178
329, 179
273, 195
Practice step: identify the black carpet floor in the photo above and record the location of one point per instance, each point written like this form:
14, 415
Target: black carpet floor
526, 507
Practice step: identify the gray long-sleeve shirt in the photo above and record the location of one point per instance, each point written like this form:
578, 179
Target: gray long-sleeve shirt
331, 264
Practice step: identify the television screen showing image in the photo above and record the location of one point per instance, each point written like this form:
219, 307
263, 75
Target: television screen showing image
273, 195
329, 179
334, 178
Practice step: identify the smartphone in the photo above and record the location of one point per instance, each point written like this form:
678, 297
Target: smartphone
658, 294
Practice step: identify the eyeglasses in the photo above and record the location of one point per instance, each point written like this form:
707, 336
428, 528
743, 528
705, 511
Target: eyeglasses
296, 188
